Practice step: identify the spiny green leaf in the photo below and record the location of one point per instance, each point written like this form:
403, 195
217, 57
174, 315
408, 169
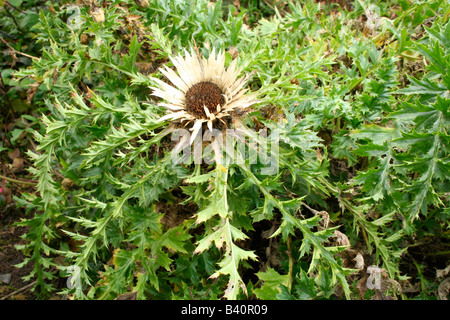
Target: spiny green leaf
377, 134
272, 282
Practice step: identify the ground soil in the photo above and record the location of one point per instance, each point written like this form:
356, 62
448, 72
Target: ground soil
10, 236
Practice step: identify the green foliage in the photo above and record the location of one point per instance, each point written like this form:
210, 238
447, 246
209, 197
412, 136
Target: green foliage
363, 150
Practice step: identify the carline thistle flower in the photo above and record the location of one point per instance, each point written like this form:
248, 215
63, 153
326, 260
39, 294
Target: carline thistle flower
203, 91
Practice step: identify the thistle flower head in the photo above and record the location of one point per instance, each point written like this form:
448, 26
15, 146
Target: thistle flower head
202, 90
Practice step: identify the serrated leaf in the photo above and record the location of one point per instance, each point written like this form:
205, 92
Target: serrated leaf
376, 182
378, 135
305, 288
175, 239
272, 282
343, 146
200, 178
229, 266
425, 87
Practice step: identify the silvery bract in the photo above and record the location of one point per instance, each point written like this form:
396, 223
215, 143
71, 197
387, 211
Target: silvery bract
203, 90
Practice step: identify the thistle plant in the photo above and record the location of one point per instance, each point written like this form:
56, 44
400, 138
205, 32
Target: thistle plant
281, 172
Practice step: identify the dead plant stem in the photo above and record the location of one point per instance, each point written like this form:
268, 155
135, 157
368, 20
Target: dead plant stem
28, 286
291, 263
29, 183
15, 51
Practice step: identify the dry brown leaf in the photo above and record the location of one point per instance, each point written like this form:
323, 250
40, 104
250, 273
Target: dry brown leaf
98, 15
408, 287
145, 67
3, 290
67, 184
318, 153
14, 153
234, 52
142, 3
20, 297
134, 17
127, 296
17, 164
361, 286
341, 238
32, 90
84, 38
325, 219
5, 278
386, 283
359, 261
380, 296
441, 273
444, 289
